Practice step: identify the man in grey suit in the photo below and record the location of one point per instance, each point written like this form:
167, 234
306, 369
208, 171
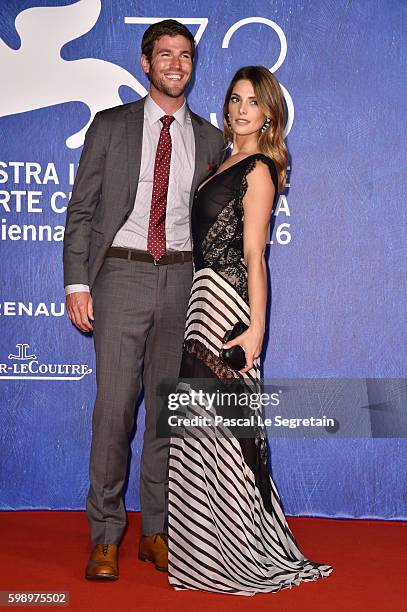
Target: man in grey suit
128, 273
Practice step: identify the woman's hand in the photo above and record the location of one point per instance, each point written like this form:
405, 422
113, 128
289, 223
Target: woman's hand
251, 342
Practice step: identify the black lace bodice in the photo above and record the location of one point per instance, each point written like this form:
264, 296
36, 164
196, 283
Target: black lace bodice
217, 221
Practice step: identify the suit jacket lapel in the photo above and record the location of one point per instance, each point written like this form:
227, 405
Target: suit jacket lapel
201, 154
135, 122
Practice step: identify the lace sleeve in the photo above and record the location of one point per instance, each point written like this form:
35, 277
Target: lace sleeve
249, 168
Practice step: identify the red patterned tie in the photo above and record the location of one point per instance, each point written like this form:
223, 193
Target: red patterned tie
156, 244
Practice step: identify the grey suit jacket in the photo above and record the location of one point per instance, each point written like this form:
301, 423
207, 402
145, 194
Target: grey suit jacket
106, 183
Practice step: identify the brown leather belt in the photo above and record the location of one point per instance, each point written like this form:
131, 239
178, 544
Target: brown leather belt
169, 258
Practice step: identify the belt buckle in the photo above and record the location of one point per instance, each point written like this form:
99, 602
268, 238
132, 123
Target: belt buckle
159, 262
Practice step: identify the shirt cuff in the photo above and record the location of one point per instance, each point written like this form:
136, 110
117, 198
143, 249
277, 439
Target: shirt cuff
75, 288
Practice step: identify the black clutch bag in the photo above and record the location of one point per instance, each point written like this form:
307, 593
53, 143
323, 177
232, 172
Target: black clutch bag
234, 357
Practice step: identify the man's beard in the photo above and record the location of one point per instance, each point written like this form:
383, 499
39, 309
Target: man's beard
161, 86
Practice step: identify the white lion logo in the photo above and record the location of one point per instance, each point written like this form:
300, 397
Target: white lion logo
37, 76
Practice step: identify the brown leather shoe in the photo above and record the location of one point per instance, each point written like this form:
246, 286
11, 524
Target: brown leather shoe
155, 549
102, 564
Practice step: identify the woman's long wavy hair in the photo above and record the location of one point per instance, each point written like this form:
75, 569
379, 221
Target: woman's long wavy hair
271, 101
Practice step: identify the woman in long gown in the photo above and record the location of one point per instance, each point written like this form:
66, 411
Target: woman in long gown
226, 527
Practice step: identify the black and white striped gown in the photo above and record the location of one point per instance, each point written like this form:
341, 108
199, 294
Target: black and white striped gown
226, 527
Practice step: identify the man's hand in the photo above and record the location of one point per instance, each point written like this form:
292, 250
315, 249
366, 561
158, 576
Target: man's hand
79, 306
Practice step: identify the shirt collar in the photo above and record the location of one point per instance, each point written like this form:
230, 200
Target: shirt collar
153, 112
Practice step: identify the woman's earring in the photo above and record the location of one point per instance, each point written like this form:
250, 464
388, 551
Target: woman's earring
266, 125
228, 121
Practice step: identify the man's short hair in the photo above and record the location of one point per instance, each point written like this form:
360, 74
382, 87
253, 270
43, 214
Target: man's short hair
167, 27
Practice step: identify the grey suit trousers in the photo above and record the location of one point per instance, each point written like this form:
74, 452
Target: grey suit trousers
139, 325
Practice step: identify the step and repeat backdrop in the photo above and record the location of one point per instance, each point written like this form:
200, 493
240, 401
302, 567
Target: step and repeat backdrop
336, 340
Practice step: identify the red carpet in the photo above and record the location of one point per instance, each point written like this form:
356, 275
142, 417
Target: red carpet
48, 551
